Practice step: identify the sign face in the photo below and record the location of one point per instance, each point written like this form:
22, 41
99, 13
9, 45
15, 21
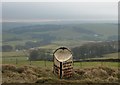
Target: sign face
63, 62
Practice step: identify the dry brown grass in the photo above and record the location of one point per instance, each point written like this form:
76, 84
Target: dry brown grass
30, 74
23, 74
98, 74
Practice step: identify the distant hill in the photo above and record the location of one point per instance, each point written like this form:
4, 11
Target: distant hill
58, 34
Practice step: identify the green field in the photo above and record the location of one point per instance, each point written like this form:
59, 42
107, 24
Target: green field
13, 54
112, 56
49, 64
20, 59
108, 56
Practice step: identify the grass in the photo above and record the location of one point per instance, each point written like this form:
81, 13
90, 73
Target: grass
112, 56
20, 59
108, 56
14, 43
13, 53
49, 64
68, 43
50, 46
24, 61
33, 74
17, 69
95, 64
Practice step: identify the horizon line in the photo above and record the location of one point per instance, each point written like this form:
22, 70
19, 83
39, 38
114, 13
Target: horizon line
55, 20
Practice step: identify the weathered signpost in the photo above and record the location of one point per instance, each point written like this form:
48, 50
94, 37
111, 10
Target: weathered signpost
63, 62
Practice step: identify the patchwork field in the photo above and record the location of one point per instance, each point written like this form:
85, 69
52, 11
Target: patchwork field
70, 34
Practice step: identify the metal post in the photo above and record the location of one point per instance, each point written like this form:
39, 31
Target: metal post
30, 62
16, 61
60, 70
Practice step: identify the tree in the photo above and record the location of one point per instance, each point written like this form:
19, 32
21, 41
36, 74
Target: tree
97, 49
6, 48
40, 54
19, 47
33, 55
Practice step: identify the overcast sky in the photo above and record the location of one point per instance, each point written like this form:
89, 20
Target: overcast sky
15, 11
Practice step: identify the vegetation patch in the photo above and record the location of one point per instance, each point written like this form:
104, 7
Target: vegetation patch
32, 74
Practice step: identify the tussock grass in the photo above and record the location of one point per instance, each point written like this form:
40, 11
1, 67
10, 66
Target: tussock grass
32, 74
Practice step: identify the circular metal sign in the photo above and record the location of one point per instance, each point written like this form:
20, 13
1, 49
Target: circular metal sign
62, 54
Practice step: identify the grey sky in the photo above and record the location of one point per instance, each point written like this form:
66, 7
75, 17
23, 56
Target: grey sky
59, 10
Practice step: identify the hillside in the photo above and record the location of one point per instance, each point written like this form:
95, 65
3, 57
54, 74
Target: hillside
52, 34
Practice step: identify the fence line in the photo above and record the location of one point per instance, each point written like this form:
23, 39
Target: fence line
98, 60
76, 63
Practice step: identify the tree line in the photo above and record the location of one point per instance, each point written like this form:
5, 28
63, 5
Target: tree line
26, 46
40, 54
93, 50
89, 50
